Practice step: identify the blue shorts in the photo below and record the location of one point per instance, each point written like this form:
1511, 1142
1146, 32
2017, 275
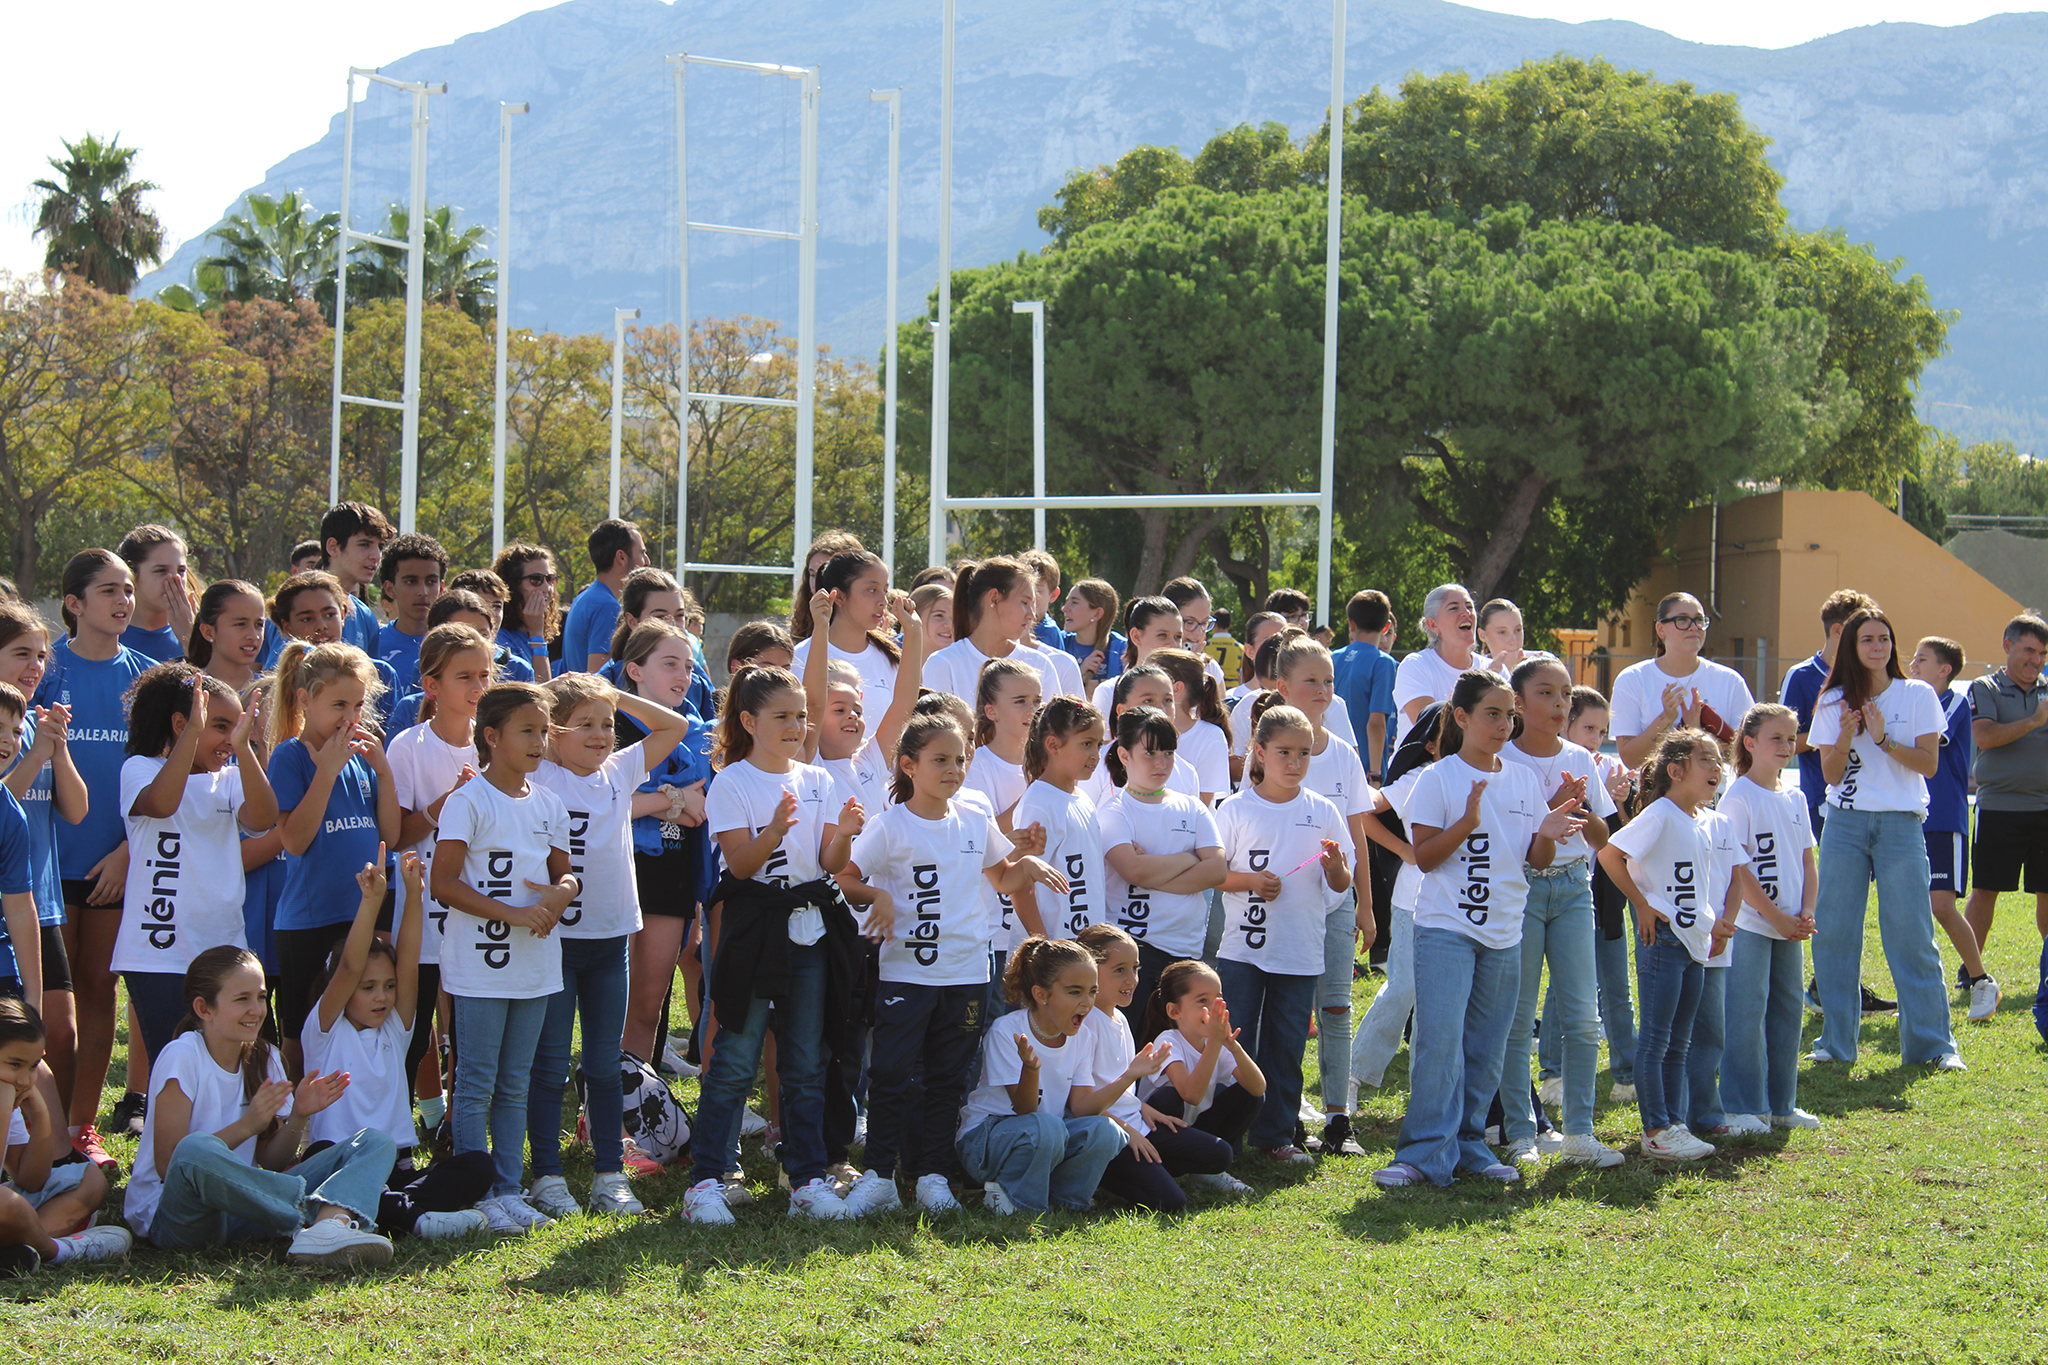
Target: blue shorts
1948, 861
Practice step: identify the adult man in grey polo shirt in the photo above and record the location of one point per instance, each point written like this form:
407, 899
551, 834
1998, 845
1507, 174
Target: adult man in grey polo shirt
2010, 727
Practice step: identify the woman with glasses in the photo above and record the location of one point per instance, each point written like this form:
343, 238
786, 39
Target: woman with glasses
1677, 687
534, 615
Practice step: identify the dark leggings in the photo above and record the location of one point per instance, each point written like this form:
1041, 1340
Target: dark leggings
1229, 1115
1183, 1151
301, 957
451, 1183
158, 998
424, 1024
1151, 962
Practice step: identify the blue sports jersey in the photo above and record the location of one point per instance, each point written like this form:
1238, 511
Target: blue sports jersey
263, 888
592, 618
1948, 791
40, 807
359, 626
14, 863
93, 689
402, 652
320, 884
160, 646
1802, 689
1365, 680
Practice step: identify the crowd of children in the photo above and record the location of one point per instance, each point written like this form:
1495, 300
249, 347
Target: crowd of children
1044, 909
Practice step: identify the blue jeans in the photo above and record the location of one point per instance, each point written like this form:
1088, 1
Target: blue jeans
1615, 998
1333, 998
1272, 1012
799, 1024
594, 989
1668, 980
1857, 846
2041, 995
494, 1047
1379, 1033
1703, 1111
1760, 1067
1460, 1036
212, 1196
1557, 925
1041, 1160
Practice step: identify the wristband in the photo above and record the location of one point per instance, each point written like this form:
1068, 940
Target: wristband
537, 642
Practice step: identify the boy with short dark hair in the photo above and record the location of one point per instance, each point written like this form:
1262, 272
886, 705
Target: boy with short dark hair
1291, 603
1936, 662
1046, 570
410, 574
352, 537
616, 549
305, 556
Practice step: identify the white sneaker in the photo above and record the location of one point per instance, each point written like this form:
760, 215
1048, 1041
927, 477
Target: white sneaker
101, 1243
439, 1227
1622, 1093
1820, 1055
550, 1194
1746, 1125
1522, 1153
1583, 1149
704, 1202
1984, 998
1798, 1118
817, 1199
1311, 1113
751, 1123
1950, 1061
612, 1193
995, 1199
1675, 1144
675, 1064
873, 1192
524, 1214
1491, 1137
338, 1241
1223, 1183
496, 1219
1549, 1142
1551, 1092
935, 1194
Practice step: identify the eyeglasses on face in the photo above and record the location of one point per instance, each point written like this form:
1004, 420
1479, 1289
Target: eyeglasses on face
1684, 622
540, 579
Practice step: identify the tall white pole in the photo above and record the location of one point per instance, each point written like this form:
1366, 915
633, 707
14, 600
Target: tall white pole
1326, 507
806, 321
505, 113
942, 338
415, 299
894, 99
620, 317
1036, 307
679, 66
348, 147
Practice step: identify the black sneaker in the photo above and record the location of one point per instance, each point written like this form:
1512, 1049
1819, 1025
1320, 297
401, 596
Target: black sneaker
1962, 977
1337, 1137
18, 1262
128, 1115
1873, 1003
1304, 1140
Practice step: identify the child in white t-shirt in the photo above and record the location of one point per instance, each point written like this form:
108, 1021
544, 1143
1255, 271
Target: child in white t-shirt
926, 859
47, 1212
1288, 848
359, 1028
782, 823
1015, 1134
849, 742
1064, 747
1161, 848
1159, 1148
1145, 685
502, 865
1663, 861
599, 788
1381, 1032
1208, 1081
191, 783
1479, 825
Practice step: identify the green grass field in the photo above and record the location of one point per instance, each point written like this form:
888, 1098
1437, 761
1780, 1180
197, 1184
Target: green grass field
1912, 1227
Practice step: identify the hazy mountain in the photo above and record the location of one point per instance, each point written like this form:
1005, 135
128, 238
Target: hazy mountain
1930, 142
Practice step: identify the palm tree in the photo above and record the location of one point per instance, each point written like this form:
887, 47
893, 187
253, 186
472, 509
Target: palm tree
277, 250
93, 215
458, 274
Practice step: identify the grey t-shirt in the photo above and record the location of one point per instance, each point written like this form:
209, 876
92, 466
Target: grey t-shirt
2012, 776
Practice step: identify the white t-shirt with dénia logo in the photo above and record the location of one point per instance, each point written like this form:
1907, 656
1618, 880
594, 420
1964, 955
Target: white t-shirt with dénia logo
507, 841
1481, 889
1174, 922
1682, 864
934, 872
600, 809
1073, 845
1874, 780
185, 886
1773, 828
1285, 935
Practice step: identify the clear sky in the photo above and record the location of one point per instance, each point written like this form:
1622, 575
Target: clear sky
214, 104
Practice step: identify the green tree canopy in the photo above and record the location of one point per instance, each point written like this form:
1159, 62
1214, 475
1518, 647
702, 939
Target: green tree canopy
93, 218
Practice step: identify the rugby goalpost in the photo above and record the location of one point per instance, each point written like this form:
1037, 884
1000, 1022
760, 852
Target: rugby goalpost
942, 500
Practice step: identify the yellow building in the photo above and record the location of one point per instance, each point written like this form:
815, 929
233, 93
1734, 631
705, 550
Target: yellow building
1764, 564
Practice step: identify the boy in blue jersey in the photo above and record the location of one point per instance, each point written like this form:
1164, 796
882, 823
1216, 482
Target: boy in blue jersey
352, 537
1936, 663
616, 549
410, 574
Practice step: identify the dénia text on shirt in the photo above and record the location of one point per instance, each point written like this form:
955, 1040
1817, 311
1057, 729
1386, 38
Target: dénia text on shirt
923, 938
166, 865
1474, 895
1254, 926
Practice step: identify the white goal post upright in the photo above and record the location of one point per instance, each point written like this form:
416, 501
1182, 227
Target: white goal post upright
1323, 499
806, 237
415, 249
